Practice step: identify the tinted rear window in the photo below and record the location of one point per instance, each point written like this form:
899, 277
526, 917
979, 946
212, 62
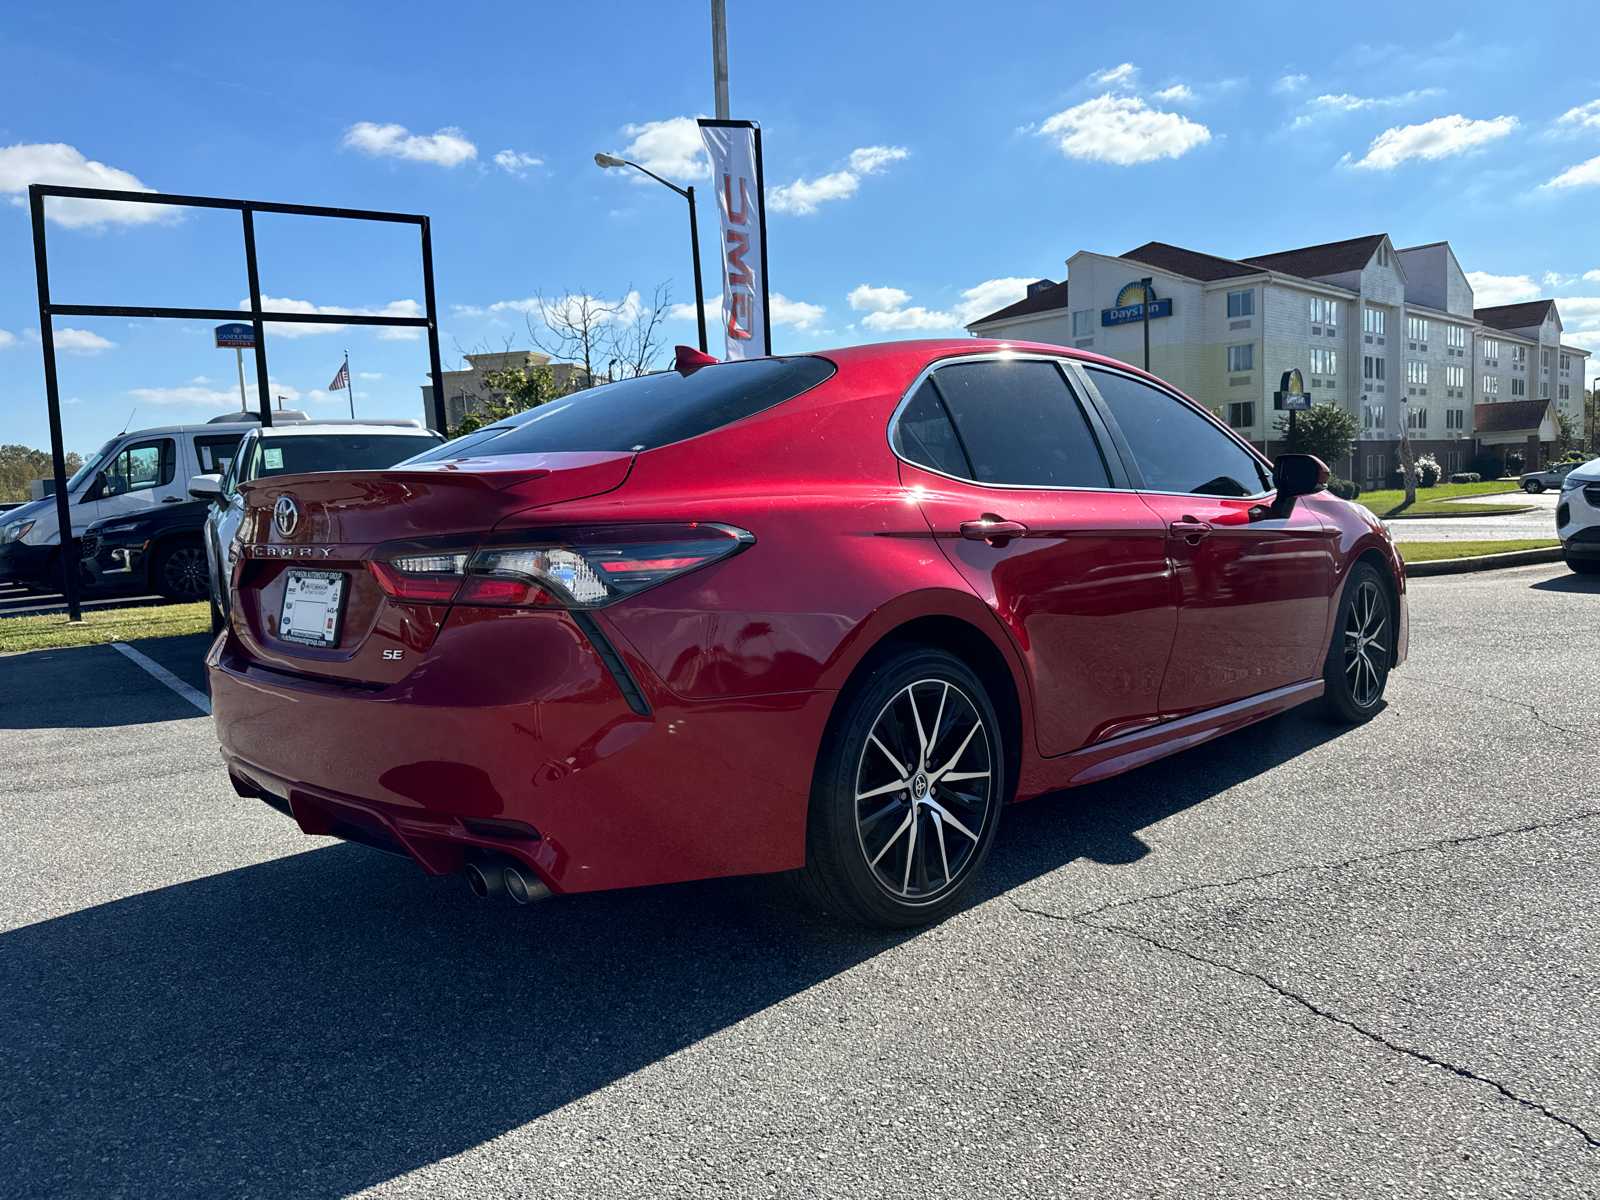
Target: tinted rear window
643, 413
312, 455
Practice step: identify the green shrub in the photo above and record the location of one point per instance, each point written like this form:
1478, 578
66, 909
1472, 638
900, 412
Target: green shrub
1344, 488
1465, 477
1428, 471
1514, 464
1487, 465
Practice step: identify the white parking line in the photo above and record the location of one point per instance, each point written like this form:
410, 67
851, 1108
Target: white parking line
198, 699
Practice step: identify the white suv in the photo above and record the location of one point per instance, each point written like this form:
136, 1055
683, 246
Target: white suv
1578, 518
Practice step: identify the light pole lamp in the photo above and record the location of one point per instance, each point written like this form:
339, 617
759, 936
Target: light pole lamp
611, 160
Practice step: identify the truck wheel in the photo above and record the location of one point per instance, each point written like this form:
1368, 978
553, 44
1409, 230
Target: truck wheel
179, 571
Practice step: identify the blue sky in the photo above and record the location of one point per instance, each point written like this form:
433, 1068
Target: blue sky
923, 162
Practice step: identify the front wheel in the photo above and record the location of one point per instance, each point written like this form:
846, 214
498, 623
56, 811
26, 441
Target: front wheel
1533, 487
1357, 667
907, 792
1584, 566
179, 572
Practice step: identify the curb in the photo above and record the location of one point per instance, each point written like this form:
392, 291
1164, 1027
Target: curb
1483, 562
1501, 510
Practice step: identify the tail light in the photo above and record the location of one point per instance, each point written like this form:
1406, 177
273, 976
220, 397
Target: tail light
560, 568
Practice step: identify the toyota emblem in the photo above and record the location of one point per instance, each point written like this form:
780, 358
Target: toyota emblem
285, 515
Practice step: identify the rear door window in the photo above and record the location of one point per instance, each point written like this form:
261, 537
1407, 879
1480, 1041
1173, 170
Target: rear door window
646, 412
1018, 422
1177, 449
923, 435
215, 453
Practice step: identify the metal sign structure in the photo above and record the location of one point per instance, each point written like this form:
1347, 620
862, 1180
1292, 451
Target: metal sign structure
38, 192
237, 336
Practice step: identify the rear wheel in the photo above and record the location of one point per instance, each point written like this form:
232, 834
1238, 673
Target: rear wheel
1357, 667
179, 571
1584, 566
1532, 487
907, 793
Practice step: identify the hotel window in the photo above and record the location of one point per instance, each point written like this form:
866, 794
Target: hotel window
1372, 416
1455, 418
1519, 387
1455, 377
1519, 354
1491, 385
1544, 358
1371, 367
1455, 335
1566, 362
1544, 389
1242, 415
1416, 372
1324, 362
1242, 304
1242, 358
1083, 323
1491, 350
1324, 312
1383, 256
1372, 320
1417, 329
1564, 392
1417, 418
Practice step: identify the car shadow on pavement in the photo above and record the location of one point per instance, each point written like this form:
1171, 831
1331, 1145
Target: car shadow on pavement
1569, 583
96, 687
320, 1023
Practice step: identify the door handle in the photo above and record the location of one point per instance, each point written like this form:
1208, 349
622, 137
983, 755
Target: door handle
992, 528
172, 500
1189, 529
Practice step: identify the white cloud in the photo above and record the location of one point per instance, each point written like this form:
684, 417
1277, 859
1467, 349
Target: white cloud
990, 296
7, 339
569, 308
1554, 279
1489, 290
868, 160
1124, 75
1584, 114
1176, 92
1290, 83
396, 308
1122, 130
63, 165
367, 375
910, 318
1585, 174
1438, 138
447, 148
1592, 276
227, 398
784, 311
803, 195
879, 299
795, 312
672, 148
1585, 310
516, 164
81, 341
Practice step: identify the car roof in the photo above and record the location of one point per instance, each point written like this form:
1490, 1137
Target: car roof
224, 428
327, 427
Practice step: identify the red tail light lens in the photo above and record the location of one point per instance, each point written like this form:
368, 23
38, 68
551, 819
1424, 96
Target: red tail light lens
592, 567
420, 578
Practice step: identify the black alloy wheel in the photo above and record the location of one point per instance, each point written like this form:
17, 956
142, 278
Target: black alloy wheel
907, 793
179, 572
1357, 667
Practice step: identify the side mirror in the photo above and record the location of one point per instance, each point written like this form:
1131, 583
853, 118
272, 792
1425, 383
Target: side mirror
1293, 475
206, 487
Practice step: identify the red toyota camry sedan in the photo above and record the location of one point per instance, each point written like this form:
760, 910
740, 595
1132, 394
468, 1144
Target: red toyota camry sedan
826, 614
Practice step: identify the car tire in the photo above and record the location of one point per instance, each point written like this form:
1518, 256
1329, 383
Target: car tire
1533, 487
1357, 667
870, 845
179, 571
1584, 566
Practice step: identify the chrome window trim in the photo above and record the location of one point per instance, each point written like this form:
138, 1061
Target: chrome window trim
1166, 390
1091, 416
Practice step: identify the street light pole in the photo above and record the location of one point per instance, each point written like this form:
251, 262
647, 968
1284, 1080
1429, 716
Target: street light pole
1144, 287
611, 160
719, 57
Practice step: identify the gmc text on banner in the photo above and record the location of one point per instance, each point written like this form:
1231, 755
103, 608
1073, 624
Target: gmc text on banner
734, 148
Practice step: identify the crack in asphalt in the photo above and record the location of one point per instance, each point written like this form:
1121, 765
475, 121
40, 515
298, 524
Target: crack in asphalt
1316, 1010
1537, 716
1360, 860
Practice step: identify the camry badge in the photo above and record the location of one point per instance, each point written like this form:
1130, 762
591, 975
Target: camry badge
285, 515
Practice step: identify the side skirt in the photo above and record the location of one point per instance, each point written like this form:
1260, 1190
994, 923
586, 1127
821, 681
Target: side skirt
1146, 745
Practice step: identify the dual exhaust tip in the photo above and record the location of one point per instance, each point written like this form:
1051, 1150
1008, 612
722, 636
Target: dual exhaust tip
489, 879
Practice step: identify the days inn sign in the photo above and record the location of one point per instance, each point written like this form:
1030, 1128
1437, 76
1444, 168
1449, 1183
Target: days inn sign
1130, 307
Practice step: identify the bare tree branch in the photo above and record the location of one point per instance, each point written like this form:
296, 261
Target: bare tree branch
638, 344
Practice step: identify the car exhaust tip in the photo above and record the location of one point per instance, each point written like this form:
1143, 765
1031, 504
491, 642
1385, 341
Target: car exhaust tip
525, 887
485, 879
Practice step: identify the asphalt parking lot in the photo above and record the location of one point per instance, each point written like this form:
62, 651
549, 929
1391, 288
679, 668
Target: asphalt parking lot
1300, 960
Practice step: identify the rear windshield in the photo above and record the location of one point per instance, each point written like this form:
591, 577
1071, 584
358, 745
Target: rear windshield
315, 454
643, 413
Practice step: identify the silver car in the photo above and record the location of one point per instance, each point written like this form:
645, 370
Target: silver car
1537, 481
311, 449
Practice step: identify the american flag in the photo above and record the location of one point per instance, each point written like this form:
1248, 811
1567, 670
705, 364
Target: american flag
341, 380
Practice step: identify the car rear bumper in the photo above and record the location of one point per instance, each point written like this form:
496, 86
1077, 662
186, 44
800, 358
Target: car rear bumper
441, 765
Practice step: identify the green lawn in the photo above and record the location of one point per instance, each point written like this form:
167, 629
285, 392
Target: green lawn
116, 625
1390, 502
1434, 551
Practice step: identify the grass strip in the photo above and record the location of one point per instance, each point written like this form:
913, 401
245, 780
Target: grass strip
54, 630
1435, 551
1390, 502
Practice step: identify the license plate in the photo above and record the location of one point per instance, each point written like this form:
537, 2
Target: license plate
313, 607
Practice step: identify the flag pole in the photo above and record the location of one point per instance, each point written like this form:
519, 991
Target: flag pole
349, 385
